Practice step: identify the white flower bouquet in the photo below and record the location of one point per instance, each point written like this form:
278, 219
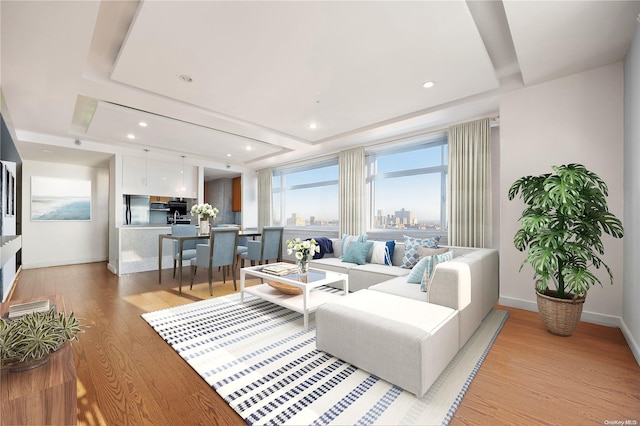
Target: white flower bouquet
204, 211
302, 250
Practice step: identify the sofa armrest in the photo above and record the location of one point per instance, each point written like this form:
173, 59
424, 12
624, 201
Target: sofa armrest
451, 285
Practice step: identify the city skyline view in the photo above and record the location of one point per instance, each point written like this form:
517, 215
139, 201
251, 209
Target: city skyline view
412, 180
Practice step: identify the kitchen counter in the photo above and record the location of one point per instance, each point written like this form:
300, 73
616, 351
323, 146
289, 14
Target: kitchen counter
139, 248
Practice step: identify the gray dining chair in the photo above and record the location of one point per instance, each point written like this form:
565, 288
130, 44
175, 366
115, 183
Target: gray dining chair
221, 251
268, 248
188, 247
242, 245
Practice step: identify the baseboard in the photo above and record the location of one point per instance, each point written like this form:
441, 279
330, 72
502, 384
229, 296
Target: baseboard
62, 263
633, 344
591, 317
13, 285
112, 269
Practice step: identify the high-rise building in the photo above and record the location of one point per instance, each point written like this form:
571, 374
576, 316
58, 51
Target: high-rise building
404, 217
296, 220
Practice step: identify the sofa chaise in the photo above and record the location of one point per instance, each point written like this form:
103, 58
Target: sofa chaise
397, 331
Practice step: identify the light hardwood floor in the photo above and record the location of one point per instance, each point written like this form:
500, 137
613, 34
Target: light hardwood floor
128, 375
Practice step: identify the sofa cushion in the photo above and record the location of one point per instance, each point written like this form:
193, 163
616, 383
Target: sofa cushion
364, 276
411, 246
331, 264
381, 252
399, 287
357, 252
348, 239
405, 342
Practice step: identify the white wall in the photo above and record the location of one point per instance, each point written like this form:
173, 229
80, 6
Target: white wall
55, 243
576, 119
631, 300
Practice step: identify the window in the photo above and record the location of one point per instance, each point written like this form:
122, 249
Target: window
407, 187
306, 195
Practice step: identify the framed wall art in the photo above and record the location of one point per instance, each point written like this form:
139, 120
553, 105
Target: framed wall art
60, 199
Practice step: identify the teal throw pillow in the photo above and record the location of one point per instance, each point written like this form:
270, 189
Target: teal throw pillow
440, 258
348, 239
424, 266
411, 246
425, 284
357, 252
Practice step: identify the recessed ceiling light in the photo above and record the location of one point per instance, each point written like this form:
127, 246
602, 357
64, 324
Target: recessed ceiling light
248, 148
142, 124
313, 126
48, 151
185, 78
131, 136
428, 84
228, 155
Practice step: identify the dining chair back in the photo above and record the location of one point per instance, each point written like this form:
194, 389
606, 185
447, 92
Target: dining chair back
268, 248
188, 247
219, 252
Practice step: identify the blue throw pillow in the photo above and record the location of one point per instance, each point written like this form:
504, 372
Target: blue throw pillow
423, 267
357, 252
411, 246
382, 252
348, 239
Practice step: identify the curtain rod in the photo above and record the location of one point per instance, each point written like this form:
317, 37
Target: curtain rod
494, 122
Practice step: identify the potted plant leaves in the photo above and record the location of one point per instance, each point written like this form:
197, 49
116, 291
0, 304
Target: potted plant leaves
28, 341
561, 228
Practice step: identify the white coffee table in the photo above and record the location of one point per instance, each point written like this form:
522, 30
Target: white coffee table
304, 303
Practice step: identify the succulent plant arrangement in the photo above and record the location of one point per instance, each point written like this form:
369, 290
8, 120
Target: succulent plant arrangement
36, 335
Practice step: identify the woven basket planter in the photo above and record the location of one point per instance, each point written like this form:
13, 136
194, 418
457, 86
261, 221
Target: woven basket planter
560, 316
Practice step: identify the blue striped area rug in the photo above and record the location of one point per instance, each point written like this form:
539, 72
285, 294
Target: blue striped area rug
262, 361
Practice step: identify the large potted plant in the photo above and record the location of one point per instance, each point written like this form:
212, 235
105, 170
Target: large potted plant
561, 227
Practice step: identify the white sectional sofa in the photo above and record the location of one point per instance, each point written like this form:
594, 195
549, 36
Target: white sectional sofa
361, 276
398, 332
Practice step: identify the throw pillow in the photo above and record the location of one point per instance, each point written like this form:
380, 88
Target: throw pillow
423, 267
440, 258
348, 239
422, 252
411, 246
425, 284
382, 252
357, 252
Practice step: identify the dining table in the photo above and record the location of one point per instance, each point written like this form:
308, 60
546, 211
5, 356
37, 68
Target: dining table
181, 239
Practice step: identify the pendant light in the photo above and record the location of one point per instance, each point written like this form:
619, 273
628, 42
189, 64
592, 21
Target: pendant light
146, 167
183, 188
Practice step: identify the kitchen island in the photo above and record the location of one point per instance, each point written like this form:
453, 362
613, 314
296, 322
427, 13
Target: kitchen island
139, 248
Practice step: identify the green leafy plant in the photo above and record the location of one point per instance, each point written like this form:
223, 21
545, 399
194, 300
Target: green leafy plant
562, 226
35, 335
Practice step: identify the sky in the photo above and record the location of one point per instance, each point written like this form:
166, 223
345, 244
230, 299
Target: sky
56, 187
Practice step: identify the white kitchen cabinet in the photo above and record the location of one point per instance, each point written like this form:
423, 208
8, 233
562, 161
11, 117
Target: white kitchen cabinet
145, 177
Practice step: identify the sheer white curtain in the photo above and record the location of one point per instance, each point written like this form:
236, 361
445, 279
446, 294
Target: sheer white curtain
265, 199
470, 184
351, 187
